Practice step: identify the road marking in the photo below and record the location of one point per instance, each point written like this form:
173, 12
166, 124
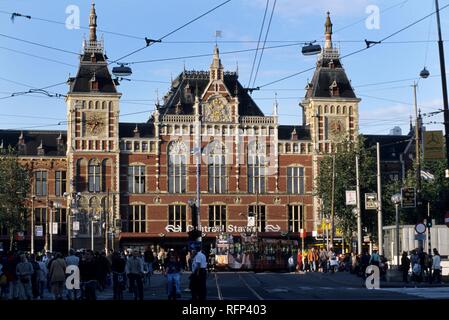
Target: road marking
251, 289
220, 296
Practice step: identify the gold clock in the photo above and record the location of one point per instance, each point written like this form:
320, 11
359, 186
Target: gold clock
217, 111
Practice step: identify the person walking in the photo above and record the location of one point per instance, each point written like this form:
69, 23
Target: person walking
375, 258
72, 260
299, 261
24, 272
199, 275
134, 270
41, 278
405, 266
173, 273
118, 275
57, 276
148, 257
436, 267
89, 275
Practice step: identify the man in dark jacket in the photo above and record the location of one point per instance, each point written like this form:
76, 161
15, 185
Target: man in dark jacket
89, 275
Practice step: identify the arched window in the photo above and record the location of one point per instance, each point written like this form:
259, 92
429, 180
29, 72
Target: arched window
295, 180
216, 162
94, 181
177, 167
256, 167
80, 180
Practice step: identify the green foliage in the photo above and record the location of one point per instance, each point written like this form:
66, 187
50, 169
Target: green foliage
345, 179
14, 186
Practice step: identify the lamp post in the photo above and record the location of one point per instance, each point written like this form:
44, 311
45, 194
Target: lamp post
32, 223
73, 199
93, 218
396, 199
53, 206
356, 212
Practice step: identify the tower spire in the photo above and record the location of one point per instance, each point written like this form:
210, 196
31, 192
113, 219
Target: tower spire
216, 68
328, 32
93, 23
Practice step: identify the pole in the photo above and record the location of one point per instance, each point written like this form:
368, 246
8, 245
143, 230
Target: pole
32, 224
380, 239
106, 224
359, 213
47, 225
429, 249
397, 234
69, 214
92, 233
198, 190
51, 229
443, 81
332, 201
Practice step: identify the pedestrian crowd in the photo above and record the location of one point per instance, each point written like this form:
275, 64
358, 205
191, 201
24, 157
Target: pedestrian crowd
418, 266
25, 276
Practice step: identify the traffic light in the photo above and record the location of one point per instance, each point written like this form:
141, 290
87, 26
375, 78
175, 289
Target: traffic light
429, 223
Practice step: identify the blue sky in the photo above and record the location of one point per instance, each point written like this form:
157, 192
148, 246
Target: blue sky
383, 106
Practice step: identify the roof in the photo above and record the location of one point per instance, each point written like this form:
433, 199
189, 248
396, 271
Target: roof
285, 132
391, 146
33, 140
328, 71
92, 64
126, 130
181, 97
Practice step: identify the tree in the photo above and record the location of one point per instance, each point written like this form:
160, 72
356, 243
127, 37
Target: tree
14, 186
345, 179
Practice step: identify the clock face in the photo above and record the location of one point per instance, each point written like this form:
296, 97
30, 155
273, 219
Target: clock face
217, 111
95, 123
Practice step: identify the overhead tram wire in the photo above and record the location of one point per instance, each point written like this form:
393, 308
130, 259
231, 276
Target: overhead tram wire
81, 27
127, 55
258, 43
368, 46
38, 57
264, 43
151, 42
38, 44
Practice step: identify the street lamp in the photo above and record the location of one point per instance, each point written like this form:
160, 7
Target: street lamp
73, 200
53, 206
94, 217
396, 199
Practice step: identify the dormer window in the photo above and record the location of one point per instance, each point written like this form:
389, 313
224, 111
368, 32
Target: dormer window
94, 83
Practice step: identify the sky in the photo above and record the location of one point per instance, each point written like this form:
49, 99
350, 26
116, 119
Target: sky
382, 76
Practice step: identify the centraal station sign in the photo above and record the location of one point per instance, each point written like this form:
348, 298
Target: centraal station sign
229, 228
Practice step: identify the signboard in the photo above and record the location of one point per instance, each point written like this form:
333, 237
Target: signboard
370, 201
251, 221
314, 233
433, 145
76, 226
420, 228
351, 198
39, 231
408, 198
55, 228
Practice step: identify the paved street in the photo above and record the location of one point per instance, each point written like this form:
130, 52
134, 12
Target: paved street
231, 286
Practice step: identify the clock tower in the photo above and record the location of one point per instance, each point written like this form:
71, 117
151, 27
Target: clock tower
330, 106
92, 132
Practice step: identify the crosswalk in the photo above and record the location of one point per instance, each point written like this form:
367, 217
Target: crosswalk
427, 293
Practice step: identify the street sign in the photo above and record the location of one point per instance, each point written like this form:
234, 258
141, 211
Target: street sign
351, 198
420, 228
76, 226
314, 233
39, 231
408, 198
446, 219
433, 145
370, 201
420, 237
